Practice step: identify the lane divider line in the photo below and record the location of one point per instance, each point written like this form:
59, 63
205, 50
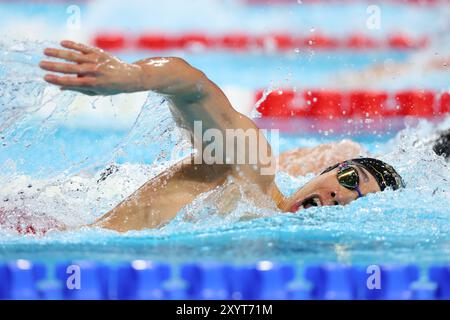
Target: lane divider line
357, 103
242, 42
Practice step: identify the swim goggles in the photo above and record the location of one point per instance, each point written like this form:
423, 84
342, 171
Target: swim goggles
347, 176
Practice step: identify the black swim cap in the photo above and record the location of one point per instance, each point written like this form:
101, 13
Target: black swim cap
384, 173
442, 144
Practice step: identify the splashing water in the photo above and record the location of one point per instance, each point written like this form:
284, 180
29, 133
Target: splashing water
48, 164
73, 158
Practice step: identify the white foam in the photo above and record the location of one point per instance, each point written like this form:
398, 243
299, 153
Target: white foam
78, 199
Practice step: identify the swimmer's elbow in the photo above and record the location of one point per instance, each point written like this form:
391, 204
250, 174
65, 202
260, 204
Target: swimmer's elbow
185, 66
171, 75
187, 72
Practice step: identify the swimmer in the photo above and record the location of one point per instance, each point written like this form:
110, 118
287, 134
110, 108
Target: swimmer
193, 97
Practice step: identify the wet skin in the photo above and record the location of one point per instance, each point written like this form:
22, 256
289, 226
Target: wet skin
193, 97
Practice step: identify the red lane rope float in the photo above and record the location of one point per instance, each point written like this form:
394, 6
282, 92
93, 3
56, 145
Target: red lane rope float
401, 41
358, 103
444, 106
324, 103
157, 42
110, 41
247, 42
416, 103
362, 103
195, 39
359, 41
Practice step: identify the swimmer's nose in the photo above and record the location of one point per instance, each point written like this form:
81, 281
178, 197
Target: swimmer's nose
338, 198
330, 198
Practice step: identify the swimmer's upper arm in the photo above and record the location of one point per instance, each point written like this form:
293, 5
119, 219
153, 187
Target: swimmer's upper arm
195, 98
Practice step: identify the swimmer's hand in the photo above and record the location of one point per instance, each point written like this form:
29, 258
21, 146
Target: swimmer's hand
90, 70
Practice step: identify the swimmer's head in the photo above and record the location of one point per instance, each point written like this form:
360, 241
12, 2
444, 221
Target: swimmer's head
344, 182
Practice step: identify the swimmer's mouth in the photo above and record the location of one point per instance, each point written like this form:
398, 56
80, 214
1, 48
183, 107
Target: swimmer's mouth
312, 201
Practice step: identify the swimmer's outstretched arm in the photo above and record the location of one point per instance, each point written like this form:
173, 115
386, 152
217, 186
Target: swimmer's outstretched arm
194, 97
93, 71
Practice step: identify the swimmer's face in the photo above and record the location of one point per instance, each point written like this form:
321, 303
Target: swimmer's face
325, 190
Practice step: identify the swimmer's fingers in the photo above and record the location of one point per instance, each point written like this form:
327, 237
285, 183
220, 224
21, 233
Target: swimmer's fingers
69, 55
79, 47
70, 81
69, 68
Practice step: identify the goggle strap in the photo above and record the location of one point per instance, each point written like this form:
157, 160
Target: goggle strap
359, 192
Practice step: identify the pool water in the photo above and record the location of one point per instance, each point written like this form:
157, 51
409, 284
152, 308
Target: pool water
55, 147
56, 170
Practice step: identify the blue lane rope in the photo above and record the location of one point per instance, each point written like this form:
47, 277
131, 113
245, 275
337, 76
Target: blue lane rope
139, 279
